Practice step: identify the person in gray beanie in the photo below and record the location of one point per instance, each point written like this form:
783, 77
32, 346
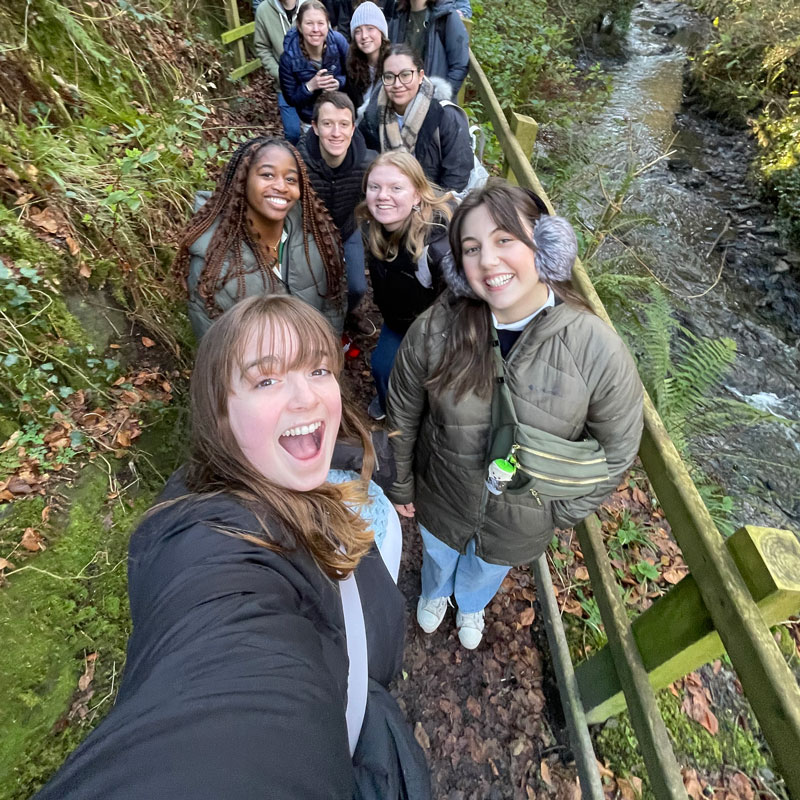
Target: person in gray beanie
369, 33
516, 409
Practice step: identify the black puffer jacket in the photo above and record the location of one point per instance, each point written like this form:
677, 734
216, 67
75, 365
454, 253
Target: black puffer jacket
446, 43
396, 288
443, 147
340, 188
236, 677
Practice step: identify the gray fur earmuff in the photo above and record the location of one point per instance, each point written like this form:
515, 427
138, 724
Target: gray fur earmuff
555, 250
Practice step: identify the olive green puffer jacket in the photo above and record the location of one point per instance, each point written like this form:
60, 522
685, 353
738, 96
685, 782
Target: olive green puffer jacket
298, 277
568, 372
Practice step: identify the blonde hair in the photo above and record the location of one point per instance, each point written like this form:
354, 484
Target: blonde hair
319, 521
434, 209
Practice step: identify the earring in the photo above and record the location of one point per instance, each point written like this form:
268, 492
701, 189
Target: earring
415, 207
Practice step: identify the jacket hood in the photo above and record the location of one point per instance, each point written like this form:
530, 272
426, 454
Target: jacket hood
442, 7
442, 88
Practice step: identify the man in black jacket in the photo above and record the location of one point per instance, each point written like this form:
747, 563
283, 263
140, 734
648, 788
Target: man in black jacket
337, 158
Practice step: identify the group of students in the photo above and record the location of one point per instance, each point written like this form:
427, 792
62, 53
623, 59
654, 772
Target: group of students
267, 624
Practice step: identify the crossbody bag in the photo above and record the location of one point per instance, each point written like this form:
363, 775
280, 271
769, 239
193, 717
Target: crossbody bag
535, 461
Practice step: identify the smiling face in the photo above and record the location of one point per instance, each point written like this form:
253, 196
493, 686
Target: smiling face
500, 268
314, 28
335, 129
391, 196
273, 184
368, 39
401, 94
284, 412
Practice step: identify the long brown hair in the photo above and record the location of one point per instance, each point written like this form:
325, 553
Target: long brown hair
466, 364
228, 207
358, 65
320, 521
435, 208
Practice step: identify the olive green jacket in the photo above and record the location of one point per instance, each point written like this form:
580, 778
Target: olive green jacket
298, 277
568, 373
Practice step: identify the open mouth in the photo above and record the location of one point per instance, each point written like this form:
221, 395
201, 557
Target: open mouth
498, 281
279, 202
303, 442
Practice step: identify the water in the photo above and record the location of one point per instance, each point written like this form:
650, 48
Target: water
695, 199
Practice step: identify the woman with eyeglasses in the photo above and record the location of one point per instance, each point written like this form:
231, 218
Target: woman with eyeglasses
407, 115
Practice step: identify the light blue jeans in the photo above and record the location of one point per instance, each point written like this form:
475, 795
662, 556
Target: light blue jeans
445, 572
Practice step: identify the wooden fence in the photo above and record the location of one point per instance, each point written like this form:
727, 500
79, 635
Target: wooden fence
734, 591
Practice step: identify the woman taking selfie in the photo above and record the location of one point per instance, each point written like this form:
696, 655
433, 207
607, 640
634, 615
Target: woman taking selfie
405, 115
510, 362
368, 49
262, 231
313, 60
405, 229
266, 625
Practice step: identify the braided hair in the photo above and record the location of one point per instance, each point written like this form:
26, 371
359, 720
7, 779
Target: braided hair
228, 206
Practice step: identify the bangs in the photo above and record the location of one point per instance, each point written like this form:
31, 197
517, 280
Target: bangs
288, 335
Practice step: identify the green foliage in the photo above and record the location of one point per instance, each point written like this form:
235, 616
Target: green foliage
751, 72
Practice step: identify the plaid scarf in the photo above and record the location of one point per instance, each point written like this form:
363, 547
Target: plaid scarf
392, 137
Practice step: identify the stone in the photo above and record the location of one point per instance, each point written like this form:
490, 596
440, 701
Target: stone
781, 266
767, 230
665, 29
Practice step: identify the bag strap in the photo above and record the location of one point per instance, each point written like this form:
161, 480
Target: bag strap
503, 412
358, 673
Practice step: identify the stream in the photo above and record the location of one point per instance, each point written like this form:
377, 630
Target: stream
712, 244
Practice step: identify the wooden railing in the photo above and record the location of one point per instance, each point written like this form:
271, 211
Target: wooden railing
734, 591
717, 605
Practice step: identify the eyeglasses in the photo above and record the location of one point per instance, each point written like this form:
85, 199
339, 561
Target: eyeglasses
405, 76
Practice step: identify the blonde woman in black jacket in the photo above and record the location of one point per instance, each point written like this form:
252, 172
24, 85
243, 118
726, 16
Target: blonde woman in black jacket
405, 223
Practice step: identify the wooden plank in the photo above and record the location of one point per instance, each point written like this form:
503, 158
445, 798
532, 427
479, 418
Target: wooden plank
232, 18
525, 130
240, 72
579, 738
651, 733
676, 634
238, 33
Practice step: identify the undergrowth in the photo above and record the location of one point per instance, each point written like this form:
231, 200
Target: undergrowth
751, 72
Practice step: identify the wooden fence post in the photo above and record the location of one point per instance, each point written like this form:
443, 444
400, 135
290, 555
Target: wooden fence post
232, 18
676, 634
525, 130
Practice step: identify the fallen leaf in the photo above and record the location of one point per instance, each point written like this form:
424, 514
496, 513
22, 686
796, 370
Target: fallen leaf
72, 244
115, 346
422, 737
88, 673
123, 439
604, 771
148, 342
32, 541
673, 575
473, 706
527, 616
742, 786
692, 785
5, 564
582, 574
530, 792
630, 788
17, 485
85, 271
545, 770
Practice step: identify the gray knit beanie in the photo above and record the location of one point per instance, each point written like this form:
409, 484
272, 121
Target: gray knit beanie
369, 14
555, 247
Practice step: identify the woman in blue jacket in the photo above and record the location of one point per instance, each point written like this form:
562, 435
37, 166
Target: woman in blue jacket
313, 60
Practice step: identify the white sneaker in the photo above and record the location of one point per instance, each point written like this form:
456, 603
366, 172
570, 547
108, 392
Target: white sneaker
430, 612
470, 628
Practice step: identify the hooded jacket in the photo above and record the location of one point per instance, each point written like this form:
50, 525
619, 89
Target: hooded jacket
396, 288
443, 147
236, 675
567, 372
446, 43
338, 187
272, 25
298, 277
295, 70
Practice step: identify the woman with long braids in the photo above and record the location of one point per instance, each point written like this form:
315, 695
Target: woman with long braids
267, 625
262, 231
313, 60
517, 409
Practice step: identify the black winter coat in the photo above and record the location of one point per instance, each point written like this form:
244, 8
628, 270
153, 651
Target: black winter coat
235, 683
443, 148
295, 70
340, 188
399, 295
446, 42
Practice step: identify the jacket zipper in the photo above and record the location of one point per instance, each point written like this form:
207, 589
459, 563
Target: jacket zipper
568, 481
530, 450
